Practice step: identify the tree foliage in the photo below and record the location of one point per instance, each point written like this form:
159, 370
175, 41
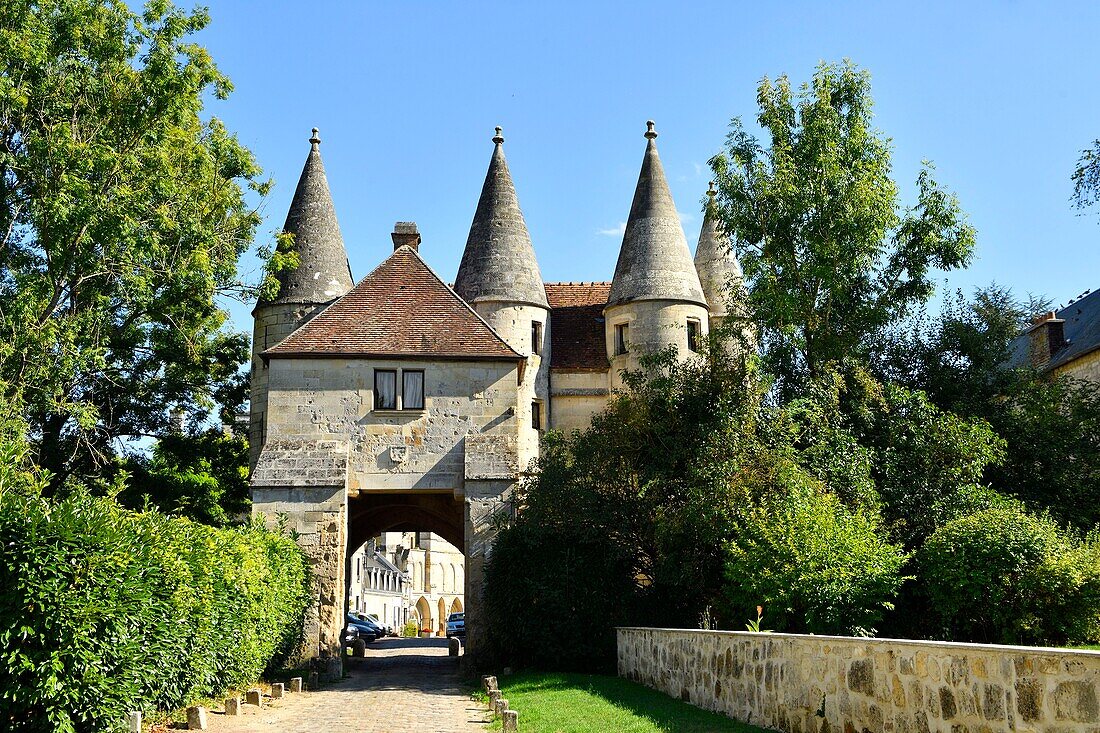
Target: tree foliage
1086, 177
830, 256
122, 217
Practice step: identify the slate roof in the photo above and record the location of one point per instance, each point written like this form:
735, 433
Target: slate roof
402, 309
498, 263
577, 325
1082, 333
654, 260
323, 272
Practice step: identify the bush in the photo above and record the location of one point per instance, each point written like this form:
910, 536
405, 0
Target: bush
106, 610
814, 565
1003, 575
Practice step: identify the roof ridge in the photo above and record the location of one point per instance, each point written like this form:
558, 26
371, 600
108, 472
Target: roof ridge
458, 297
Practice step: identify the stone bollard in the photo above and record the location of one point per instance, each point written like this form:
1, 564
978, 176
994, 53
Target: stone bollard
511, 721
196, 718
254, 697
233, 705
454, 647
507, 671
277, 690
295, 684
485, 683
359, 648
134, 720
491, 683
313, 680
494, 695
499, 707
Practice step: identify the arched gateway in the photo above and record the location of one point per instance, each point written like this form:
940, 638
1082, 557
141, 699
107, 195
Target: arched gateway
399, 403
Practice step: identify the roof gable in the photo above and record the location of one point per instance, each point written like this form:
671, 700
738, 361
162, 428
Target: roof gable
401, 309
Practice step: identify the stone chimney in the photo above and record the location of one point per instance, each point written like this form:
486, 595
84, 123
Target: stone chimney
405, 233
1045, 337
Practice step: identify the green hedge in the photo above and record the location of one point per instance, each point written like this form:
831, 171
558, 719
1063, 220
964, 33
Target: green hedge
104, 610
1004, 575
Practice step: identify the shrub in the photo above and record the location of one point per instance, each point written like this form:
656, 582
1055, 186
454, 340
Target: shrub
1003, 575
813, 564
106, 610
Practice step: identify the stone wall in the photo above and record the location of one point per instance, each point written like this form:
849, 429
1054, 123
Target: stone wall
1084, 367
813, 684
575, 397
654, 325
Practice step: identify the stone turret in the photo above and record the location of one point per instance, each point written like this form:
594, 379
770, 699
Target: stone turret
719, 271
499, 277
656, 298
323, 275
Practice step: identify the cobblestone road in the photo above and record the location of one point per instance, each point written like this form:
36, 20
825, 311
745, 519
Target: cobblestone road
402, 685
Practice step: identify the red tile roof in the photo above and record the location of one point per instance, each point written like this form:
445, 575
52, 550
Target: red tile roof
576, 325
401, 309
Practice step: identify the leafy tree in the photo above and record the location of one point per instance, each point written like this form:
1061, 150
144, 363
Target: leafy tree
1003, 575
830, 256
201, 476
1086, 177
122, 214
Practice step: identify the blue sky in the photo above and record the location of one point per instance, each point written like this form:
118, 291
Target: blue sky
1001, 96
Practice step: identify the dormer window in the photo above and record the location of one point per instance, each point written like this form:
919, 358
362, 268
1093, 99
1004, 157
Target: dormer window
536, 337
622, 335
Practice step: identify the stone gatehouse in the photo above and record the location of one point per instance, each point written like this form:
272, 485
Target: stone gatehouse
401, 403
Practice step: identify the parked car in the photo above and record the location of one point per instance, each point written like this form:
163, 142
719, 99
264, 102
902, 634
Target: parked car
363, 630
373, 618
456, 625
372, 621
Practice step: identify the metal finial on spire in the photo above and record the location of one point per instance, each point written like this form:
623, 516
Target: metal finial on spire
711, 190
498, 138
315, 140
650, 133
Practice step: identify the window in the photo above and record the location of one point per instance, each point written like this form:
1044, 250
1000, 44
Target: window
385, 389
536, 415
693, 334
622, 333
536, 337
412, 390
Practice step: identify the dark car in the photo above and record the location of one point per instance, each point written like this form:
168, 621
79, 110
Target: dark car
456, 625
379, 629
363, 629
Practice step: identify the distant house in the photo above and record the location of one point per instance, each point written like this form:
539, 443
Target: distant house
1065, 342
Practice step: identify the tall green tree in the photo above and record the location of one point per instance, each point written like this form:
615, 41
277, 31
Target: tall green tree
1086, 177
831, 256
123, 213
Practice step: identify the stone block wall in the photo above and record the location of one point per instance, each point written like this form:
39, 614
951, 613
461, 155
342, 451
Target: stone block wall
814, 684
654, 325
576, 396
1084, 367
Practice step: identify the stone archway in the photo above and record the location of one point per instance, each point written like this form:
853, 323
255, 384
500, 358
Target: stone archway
424, 611
456, 606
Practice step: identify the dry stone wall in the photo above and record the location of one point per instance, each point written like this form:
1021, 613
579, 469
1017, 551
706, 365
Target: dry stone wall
818, 684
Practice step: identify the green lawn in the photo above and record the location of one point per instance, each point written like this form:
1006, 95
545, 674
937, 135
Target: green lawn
585, 703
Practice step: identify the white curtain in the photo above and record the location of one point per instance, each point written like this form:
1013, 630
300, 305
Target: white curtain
385, 390
413, 391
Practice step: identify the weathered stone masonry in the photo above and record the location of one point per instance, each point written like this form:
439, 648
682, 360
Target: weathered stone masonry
811, 684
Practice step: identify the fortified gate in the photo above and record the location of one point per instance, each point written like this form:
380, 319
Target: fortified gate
400, 403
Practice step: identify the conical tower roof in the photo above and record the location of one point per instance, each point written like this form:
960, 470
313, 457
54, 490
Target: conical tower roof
323, 273
715, 261
499, 263
654, 261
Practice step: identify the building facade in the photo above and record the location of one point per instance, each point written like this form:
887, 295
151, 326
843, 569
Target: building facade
399, 403
1065, 342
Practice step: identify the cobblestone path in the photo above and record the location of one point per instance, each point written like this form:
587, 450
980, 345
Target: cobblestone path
402, 685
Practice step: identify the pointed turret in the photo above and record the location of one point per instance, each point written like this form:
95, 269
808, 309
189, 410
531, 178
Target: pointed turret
322, 276
719, 271
323, 273
654, 261
499, 263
